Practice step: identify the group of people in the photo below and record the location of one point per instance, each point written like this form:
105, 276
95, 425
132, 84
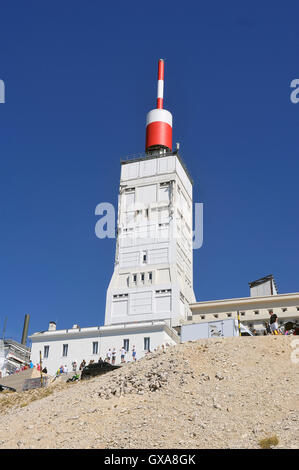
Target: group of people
64, 369
28, 365
110, 358
272, 328
111, 355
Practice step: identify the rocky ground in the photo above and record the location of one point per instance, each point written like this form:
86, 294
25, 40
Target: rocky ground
216, 393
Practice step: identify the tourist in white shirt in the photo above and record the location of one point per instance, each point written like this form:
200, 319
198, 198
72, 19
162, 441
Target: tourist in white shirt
108, 356
122, 354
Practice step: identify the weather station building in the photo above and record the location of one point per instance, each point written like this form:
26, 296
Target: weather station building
150, 295
152, 283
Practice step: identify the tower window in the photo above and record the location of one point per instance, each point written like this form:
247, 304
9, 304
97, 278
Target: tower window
150, 276
95, 347
134, 277
46, 352
142, 277
126, 344
65, 350
147, 344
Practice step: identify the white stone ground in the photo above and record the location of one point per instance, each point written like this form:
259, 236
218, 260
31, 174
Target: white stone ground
224, 393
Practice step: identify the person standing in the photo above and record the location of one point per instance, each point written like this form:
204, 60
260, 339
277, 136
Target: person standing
273, 323
267, 329
134, 354
108, 356
122, 354
113, 355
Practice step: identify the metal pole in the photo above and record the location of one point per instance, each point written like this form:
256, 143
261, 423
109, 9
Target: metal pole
25, 330
41, 365
239, 324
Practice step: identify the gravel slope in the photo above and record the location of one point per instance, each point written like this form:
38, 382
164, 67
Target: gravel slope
217, 393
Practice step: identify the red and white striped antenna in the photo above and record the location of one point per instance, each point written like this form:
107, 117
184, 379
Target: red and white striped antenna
159, 120
160, 90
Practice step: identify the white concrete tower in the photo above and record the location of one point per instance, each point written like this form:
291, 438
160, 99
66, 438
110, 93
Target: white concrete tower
153, 273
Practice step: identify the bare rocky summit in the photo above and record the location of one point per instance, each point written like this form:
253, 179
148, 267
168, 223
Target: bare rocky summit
216, 393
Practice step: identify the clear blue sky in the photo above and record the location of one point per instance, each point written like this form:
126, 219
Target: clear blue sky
80, 78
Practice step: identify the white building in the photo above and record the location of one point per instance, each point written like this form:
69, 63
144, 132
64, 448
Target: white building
254, 311
13, 356
63, 347
153, 278
152, 283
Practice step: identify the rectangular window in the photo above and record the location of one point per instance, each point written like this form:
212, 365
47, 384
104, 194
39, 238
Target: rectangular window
142, 277
95, 347
126, 344
147, 344
65, 349
150, 276
144, 256
134, 277
46, 352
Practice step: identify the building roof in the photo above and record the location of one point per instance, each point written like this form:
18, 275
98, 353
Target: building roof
106, 330
291, 297
262, 280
